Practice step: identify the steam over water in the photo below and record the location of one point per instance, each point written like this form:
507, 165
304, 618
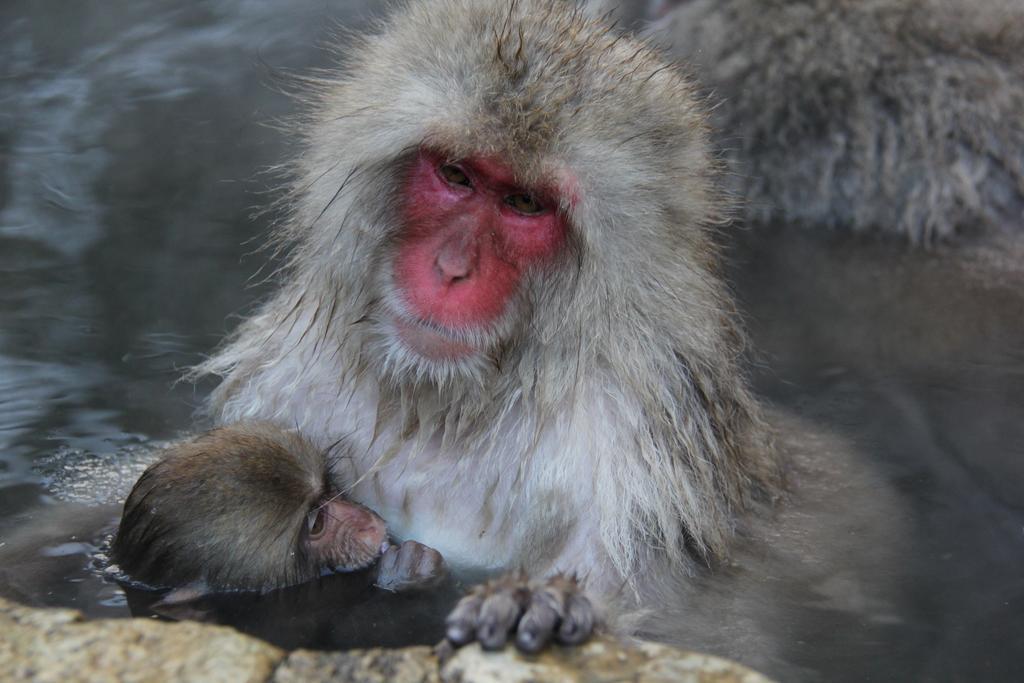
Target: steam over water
131, 136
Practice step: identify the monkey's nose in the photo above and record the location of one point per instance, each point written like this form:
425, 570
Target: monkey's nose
456, 259
373, 533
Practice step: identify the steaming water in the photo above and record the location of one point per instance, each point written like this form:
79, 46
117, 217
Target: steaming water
130, 138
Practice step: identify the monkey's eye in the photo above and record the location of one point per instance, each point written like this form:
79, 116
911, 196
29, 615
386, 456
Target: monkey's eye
525, 204
455, 175
315, 522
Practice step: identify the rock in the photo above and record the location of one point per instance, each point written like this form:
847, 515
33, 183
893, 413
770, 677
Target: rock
60, 645
409, 665
602, 660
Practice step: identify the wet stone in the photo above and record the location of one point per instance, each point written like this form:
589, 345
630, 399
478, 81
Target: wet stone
60, 645
409, 665
602, 660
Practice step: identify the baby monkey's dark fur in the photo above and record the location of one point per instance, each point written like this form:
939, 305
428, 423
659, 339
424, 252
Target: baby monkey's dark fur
251, 507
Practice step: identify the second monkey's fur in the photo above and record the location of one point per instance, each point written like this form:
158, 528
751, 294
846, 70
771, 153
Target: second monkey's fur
892, 115
610, 427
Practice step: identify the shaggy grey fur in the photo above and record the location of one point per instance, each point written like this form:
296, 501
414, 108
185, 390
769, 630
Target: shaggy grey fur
623, 358
891, 115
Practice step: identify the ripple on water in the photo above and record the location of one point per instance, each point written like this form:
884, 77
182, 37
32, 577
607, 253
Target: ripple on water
77, 475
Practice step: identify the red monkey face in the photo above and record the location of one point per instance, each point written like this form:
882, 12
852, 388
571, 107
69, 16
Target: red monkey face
470, 235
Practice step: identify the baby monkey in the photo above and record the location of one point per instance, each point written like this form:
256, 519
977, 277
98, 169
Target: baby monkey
250, 507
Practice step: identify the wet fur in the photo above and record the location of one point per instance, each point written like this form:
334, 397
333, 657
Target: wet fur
901, 116
212, 512
611, 432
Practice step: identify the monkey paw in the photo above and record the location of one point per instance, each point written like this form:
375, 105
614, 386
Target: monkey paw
410, 566
534, 613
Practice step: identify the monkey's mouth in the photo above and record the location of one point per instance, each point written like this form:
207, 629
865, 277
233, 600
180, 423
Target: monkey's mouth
429, 342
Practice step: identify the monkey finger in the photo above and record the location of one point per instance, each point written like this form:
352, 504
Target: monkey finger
431, 567
389, 558
387, 569
410, 553
417, 566
411, 557
579, 620
538, 624
460, 626
498, 616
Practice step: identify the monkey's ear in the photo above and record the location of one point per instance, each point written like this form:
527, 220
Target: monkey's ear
184, 604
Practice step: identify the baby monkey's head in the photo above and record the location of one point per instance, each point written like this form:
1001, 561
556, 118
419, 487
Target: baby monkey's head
244, 507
